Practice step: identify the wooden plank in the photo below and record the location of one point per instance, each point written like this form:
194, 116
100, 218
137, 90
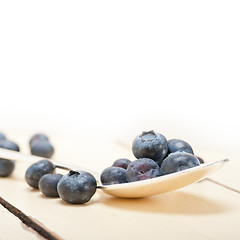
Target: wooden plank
12, 228
201, 211
28, 223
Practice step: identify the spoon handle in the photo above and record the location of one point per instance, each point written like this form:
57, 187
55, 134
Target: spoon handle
17, 156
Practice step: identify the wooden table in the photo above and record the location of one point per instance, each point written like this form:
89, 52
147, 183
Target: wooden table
209, 209
93, 75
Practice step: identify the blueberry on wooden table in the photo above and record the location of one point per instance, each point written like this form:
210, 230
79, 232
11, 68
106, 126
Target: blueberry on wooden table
42, 149
48, 184
141, 169
178, 161
77, 187
41, 146
122, 162
151, 145
10, 145
113, 175
2, 136
7, 166
175, 145
37, 170
39, 137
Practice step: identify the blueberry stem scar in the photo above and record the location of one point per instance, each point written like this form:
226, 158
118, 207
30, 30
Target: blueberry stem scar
73, 172
28, 221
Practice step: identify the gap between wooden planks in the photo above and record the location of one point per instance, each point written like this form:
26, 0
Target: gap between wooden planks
28, 221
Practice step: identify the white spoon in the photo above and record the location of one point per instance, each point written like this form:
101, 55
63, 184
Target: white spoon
137, 189
164, 183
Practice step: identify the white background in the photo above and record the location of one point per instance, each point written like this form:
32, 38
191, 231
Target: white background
115, 68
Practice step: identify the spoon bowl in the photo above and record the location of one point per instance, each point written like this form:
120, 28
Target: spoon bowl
164, 183
138, 189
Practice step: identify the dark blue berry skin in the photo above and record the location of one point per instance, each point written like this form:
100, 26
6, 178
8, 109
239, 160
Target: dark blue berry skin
151, 145
141, 169
37, 170
10, 145
175, 145
2, 136
178, 161
113, 175
48, 184
6, 167
42, 148
122, 162
39, 137
77, 187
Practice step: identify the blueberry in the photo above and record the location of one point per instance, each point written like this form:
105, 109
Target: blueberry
77, 187
151, 145
2, 136
6, 167
39, 137
42, 148
37, 170
178, 161
141, 169
113, 175
175, 145
48, 184
10, 145
122, 162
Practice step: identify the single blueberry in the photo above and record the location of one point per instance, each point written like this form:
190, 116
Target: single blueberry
10, 145
2, 136
151, 145
6, 167
37, 170
113, 175
48, 184
175, 145
77, 187
42, 148
178, 161
122, 162
39, 137
141, 169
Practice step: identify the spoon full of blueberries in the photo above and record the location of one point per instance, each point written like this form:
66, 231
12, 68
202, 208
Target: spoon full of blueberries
161, 166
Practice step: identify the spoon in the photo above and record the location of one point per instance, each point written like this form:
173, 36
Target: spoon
137, 189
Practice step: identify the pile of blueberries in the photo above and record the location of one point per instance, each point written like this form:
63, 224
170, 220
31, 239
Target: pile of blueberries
155, 157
